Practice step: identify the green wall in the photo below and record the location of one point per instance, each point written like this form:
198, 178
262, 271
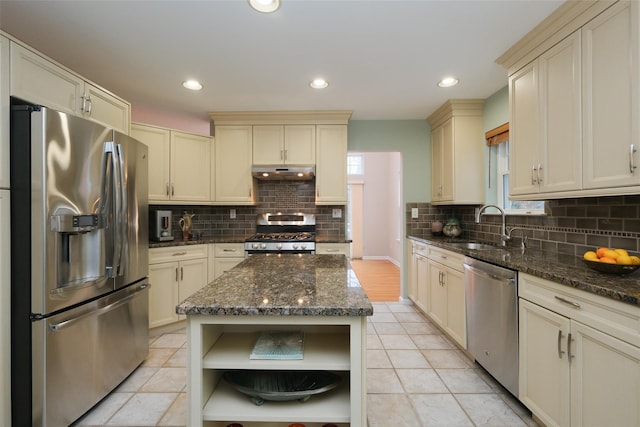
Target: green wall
412, 138
495, 113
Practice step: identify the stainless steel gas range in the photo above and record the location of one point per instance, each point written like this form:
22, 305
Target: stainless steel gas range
292, 233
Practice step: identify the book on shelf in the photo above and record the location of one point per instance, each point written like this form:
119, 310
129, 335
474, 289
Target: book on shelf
274, 345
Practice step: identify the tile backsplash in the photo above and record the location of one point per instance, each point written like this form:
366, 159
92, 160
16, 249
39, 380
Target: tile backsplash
273, 196
569, 226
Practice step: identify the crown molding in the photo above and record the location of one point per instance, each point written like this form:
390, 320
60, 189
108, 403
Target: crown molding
309, 117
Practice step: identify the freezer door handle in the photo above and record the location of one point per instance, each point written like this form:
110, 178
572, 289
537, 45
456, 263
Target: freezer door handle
55, 327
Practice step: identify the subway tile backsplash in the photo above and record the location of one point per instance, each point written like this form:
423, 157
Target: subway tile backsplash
273, 196
569, 226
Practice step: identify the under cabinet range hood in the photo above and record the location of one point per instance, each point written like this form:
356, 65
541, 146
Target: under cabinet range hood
289, 172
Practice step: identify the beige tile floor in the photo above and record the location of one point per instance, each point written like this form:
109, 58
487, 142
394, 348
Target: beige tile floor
415, 377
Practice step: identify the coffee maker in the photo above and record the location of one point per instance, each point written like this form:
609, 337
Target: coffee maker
161, 226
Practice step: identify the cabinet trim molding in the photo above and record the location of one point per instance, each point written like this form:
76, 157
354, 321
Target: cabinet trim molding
320, 117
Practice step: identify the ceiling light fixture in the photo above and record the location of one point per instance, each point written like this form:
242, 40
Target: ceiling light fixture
448, 82
265, 6
192, 85
319, 83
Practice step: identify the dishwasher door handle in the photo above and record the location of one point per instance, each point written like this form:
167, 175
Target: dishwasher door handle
488, 275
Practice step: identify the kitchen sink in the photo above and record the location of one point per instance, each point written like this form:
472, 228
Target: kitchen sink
474, 246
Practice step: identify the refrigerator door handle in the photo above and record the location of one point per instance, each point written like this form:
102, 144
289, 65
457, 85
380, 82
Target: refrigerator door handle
121, 225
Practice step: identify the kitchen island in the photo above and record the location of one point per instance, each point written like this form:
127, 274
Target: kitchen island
318, 295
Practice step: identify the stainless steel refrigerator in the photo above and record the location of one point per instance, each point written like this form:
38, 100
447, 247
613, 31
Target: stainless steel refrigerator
79, 263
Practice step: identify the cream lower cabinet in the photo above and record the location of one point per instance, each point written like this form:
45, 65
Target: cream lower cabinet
223, 257
37, 79
334, 249
579, 356
411, 277
420, 276
180, 164
233, 161
331, 164
174, 273
446, 293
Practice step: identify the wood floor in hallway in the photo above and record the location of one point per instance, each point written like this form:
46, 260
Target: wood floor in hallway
379, 278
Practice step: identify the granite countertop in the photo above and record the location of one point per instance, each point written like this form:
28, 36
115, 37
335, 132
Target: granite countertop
283, 285
565, 269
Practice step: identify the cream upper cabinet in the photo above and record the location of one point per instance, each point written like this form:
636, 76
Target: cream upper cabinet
158, 142
284, 144
37, 79
611, 110
331, 164
574, 91
233, 157
457, 145
579, 356
545, 129
179, 164
4, 112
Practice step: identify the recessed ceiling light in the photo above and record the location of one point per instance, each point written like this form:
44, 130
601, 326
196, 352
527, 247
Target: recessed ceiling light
265, 6
192, 85
319, 83
448, 82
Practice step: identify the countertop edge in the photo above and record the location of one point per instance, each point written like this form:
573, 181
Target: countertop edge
572, 273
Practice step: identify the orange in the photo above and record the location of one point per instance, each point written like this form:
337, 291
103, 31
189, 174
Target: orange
608, 260
600, 252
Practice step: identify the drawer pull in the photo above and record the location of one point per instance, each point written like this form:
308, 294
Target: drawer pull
566, 301
178, 254
228, 250
332, 250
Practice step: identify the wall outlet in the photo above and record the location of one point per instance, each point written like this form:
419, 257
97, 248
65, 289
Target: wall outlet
232, 213
337, 213
414, 213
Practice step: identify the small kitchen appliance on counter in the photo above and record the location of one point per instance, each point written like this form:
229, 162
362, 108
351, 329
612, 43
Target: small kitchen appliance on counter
161, 226
293, 233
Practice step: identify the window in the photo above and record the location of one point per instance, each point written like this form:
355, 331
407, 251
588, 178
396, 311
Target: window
355, 164
519, 207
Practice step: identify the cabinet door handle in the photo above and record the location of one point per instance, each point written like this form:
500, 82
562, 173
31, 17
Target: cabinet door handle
566, 301
177, 274
281, 154
90, 105
569, 355
172, 190
286, 154
632, 166
560, 352
84, 103
181, 274
167, 188
533, 171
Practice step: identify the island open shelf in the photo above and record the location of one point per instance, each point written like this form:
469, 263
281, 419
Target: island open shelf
331, 343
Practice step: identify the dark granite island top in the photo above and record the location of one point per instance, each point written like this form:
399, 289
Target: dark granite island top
283, 285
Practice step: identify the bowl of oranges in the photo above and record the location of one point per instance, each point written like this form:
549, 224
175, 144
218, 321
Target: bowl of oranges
611, 261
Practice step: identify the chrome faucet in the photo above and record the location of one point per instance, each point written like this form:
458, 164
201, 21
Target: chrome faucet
504, 237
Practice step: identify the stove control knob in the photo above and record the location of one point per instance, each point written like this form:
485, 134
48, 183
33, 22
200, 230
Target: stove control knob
278, 246
254, 246
263, 246
295, 246
303, 246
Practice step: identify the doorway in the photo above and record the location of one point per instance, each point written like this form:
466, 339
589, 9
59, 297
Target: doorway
374, 222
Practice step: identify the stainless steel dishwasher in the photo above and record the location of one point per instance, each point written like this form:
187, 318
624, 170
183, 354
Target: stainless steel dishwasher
492, 319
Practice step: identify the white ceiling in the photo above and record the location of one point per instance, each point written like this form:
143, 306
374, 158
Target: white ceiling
382, 58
